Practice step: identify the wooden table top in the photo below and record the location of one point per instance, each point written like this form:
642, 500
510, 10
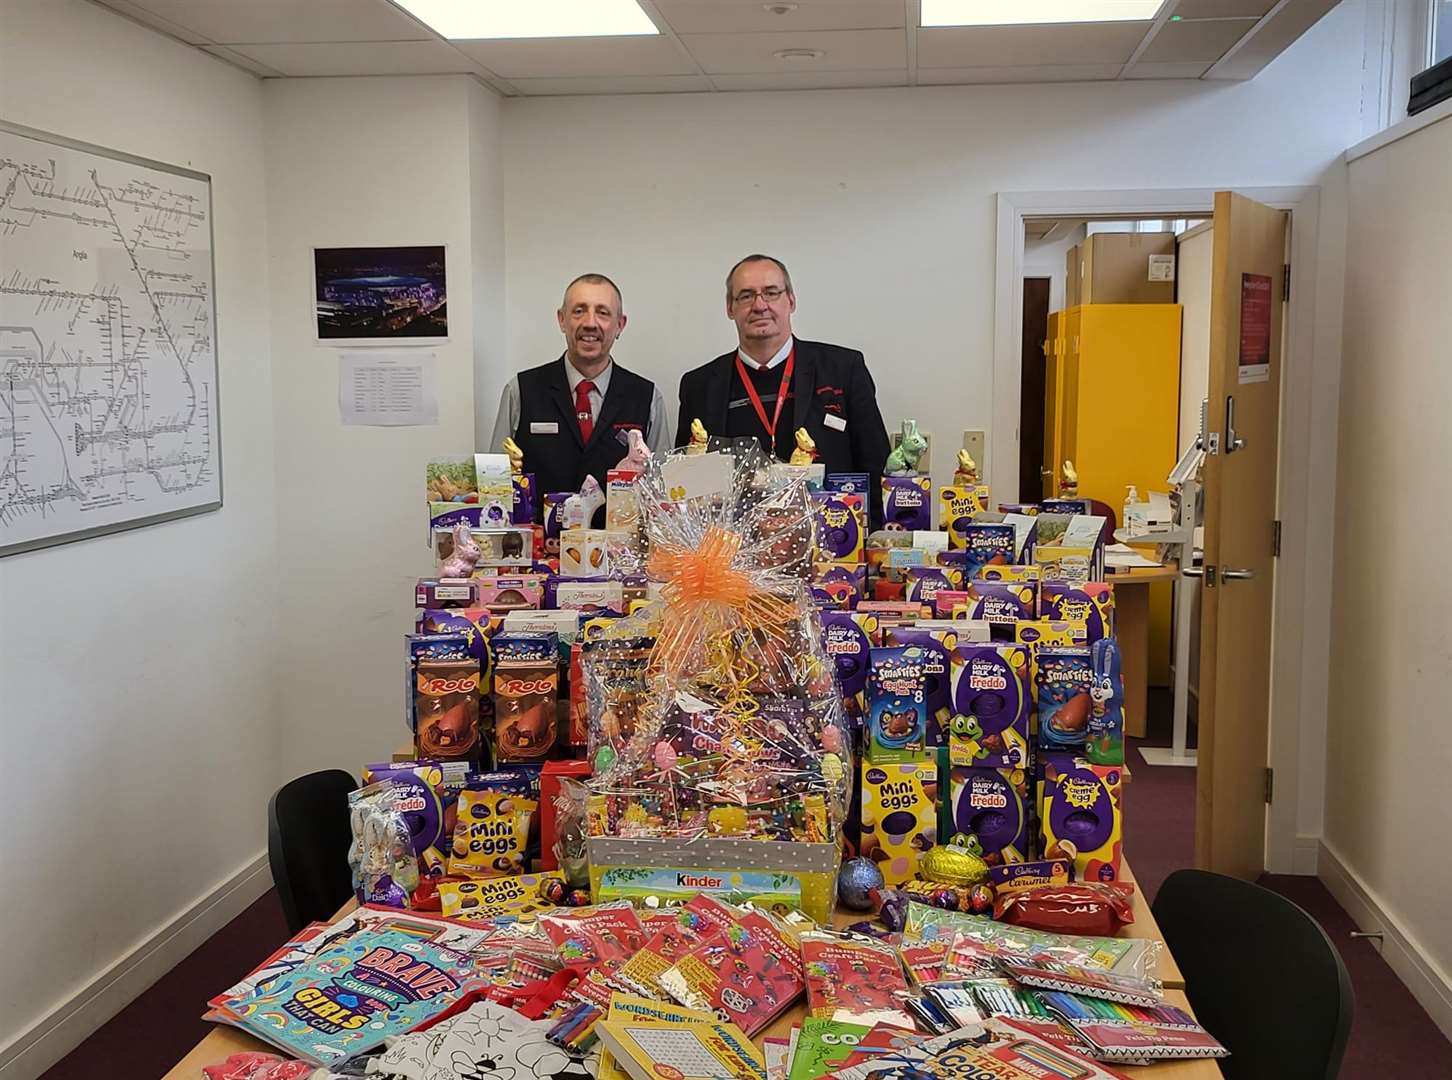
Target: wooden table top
225, 1040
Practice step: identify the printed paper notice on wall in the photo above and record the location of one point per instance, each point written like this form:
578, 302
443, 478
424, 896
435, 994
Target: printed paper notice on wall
1162, 268
379, 388
1255, 328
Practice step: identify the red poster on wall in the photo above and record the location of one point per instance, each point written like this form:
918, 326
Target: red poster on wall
1255, 328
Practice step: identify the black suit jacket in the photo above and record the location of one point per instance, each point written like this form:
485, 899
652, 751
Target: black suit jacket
827, 380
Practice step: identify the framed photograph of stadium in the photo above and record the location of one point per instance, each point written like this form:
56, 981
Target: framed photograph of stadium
380, 295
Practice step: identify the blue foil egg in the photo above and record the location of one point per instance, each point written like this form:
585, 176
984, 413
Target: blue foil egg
855, 882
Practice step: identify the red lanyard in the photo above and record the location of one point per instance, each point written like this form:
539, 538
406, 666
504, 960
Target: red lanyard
781, 394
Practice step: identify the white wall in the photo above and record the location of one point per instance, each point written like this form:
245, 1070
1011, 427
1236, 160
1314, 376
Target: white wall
1049, 258
1389, 752
137, 722
1196, 260
365, 162
881, 201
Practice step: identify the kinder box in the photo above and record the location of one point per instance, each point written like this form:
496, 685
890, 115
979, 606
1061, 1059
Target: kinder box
899, 816
1065, 679
937, 645
897, 705
1081, 815
991, 705
956, 507
1091, 603
907, 502
841, 531
993, 805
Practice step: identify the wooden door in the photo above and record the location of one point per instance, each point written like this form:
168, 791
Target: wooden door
1032, 384
1246, 310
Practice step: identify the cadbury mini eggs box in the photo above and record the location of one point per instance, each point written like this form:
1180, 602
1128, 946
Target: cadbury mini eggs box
899, 816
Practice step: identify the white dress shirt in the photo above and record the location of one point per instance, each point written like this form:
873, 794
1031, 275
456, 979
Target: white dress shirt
779, 358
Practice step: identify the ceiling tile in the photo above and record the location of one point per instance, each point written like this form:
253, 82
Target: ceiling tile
618, 84
1029, 46
1274, 35
812, 80
1168, 69
749, 16
360, 58
1205, 40
1223, 9
744, 54
228, 22
166, 26
955, 76
246, 63
557, 58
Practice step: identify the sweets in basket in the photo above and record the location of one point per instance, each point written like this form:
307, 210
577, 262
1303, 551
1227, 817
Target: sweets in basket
715, 718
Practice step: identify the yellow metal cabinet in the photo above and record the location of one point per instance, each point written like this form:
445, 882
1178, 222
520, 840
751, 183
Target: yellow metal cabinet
1115, 405
1112, 405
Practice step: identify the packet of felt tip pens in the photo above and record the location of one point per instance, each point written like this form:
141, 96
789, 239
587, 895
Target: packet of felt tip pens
1133, 1034
1044, 974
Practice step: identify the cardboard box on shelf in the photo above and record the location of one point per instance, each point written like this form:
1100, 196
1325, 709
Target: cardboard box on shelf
1128, 268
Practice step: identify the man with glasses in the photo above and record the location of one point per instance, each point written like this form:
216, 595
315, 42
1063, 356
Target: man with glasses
773, 383
571, 416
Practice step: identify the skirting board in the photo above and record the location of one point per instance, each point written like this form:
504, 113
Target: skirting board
66, 1026
1428, 984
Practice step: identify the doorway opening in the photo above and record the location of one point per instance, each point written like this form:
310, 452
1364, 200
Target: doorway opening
1030, 223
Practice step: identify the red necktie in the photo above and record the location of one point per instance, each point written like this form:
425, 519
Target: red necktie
582, 408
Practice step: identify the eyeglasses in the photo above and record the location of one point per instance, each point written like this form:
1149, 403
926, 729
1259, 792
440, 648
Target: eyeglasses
771, 294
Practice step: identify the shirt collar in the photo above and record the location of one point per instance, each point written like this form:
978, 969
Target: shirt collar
601, 381
780, 357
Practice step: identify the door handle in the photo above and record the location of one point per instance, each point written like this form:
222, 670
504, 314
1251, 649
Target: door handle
1231, 574
1193, 571
1233, 442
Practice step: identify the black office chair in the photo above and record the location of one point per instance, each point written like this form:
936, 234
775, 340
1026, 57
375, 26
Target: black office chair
307, 846
1261, 975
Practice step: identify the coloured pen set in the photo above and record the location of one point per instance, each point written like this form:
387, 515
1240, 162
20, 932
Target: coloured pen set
1132, 1034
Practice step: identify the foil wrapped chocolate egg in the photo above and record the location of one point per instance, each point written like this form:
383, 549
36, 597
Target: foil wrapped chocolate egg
957, 866
856, 881
980, 899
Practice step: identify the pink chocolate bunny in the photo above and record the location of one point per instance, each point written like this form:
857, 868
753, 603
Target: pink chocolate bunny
464, 557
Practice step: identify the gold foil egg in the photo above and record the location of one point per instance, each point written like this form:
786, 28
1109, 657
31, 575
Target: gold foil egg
957, 866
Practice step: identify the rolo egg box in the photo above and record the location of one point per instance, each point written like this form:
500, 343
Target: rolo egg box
991, 705
993, 804
1081, 814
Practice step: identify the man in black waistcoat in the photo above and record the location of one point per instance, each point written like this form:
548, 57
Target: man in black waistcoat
773, 383
570, 416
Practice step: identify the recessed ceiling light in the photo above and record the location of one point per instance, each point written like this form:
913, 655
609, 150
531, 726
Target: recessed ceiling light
1020, 12
779, 9
480, 19
798, 55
